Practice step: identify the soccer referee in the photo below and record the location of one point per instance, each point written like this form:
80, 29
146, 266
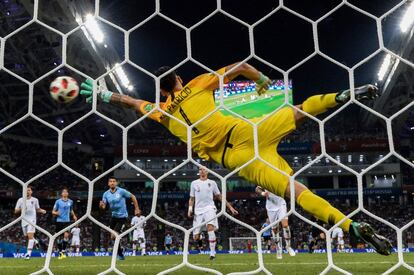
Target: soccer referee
115, 198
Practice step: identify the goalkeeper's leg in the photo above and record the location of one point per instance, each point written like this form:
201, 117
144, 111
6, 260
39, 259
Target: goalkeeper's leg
319, 104
324, 211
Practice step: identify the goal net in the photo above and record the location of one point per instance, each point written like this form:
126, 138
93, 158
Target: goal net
242, 243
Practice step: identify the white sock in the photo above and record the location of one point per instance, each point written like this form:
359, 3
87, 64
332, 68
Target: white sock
278, 241
30, 247
341, 244
134, 247
142, 245
212, 242
286, 235
77, 249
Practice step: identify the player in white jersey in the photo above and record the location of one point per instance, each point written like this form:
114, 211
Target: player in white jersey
276, 210
75, 243
203, 192
32, 208
138, 235
338, 237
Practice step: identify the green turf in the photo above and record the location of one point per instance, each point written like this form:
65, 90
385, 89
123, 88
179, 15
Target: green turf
257, 108
301, 264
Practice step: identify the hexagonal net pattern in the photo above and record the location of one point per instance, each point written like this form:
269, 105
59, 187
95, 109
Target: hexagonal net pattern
187, 232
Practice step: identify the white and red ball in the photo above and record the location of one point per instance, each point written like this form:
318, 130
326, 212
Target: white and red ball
64, 89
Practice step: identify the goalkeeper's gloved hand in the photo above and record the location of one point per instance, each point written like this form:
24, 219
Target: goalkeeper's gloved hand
87, 90
262, 84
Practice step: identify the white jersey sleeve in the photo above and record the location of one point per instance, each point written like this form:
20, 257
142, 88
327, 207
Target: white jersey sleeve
36, 206
216, 191
19, 204
192, 190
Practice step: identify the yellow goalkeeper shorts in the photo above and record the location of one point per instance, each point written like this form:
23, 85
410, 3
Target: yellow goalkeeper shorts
238, 149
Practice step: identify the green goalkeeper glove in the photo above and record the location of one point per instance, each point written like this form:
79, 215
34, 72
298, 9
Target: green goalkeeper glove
262, 84
87, 90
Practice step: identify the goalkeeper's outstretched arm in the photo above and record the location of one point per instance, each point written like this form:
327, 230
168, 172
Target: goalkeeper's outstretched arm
249, 72
110, 97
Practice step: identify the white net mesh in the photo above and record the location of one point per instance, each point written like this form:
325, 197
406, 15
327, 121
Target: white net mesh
153, 214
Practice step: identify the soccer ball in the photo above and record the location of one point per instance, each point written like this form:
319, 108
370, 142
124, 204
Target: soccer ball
64, 89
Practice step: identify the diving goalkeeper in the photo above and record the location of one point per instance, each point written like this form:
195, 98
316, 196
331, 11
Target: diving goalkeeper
228, 140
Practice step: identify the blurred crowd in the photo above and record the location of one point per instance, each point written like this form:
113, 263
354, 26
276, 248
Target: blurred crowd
251, 211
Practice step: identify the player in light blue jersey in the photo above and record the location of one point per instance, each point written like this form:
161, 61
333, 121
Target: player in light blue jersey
168, 242
116, 197
63, 210
267, 235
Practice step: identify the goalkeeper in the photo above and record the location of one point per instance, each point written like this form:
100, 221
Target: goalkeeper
229, 140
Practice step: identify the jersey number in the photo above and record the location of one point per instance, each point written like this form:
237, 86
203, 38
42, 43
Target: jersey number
184, 115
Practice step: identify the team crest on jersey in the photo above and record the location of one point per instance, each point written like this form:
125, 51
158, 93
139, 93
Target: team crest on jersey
117, 196
197, 188
209, 184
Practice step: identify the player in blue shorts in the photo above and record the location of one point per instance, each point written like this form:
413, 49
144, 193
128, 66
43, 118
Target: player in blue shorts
116, 197
63, 210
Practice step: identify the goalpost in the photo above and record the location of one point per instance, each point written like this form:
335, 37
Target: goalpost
235, 243
242, 243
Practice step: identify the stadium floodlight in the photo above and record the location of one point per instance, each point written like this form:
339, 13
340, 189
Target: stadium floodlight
384, 67
408, 18
93, 28
123, 77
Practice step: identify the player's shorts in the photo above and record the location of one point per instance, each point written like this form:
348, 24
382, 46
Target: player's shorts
118, 224
267, 238
61, 225
75, 241
337, 232
277, 215
204, 217
138, 234
28, 228
238, 148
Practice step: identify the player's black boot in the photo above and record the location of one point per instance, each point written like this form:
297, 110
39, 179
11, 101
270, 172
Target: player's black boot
365, 232
365, 92
212, 257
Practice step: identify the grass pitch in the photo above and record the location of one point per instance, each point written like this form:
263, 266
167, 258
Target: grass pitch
301, 264
258, 108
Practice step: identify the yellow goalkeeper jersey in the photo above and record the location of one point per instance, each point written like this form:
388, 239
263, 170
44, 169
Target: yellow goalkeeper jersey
191, 105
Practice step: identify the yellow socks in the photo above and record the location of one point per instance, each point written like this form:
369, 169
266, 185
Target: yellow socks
319, 104
322, 210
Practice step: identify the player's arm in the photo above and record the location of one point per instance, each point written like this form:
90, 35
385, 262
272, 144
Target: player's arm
191, 201
102, 203
228, 205
38, 209
41, 210
190, 206
110, 97
18, 207
73, 215
136, 206
261, 192
249, 72
55, 210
